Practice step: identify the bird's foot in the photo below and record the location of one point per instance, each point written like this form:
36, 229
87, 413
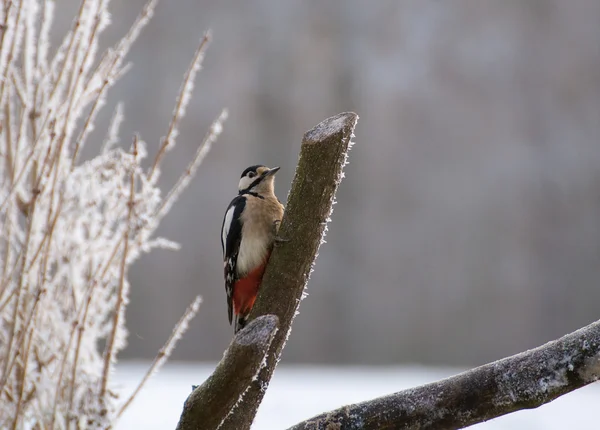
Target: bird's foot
278, 238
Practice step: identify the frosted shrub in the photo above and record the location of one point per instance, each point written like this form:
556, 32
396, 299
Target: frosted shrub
69, 230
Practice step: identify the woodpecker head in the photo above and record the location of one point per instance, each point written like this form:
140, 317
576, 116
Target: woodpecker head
258, 179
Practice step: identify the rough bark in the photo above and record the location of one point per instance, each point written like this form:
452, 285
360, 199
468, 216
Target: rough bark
230, 398
210, 403
523, 381
319, 172
309, 205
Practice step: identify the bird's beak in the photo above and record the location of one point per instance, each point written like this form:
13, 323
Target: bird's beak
272, 171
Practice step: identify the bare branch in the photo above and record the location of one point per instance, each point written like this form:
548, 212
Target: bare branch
231, 396
183, 99
184, 180
523, 381
323, 155
214, 400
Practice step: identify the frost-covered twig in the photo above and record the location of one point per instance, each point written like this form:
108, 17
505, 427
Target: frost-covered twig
165, 352
109, 71
68, 230
213, 133
185, 94
523, 381
210, 403
322, 157
112, 137
109, 352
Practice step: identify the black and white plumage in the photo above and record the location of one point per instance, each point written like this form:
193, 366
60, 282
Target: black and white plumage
247, 235
231, 236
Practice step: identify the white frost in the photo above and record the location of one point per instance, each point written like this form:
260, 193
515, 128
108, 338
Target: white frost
68, 230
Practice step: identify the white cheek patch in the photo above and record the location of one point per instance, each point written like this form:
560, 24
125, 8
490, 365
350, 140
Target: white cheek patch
227, 225
245, 182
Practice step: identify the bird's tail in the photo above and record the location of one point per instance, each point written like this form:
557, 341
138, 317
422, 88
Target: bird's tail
239, 322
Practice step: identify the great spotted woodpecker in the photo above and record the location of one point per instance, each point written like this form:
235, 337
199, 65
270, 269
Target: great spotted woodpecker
249, 230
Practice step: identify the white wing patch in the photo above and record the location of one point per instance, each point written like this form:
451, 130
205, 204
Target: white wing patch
227, 226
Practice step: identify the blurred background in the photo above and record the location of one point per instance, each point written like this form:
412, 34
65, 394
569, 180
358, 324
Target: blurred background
468, 226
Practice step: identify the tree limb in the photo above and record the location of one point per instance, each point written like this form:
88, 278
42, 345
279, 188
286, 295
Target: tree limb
523, 381
322, 156
212, 401
230, 397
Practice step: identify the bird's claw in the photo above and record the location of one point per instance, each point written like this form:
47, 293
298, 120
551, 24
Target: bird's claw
278, 238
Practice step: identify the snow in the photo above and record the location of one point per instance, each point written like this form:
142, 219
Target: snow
298, 392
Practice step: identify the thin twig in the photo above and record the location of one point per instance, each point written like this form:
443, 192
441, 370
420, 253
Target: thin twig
165, 352
23, 379
116, 54
108, 355
77, 74
12, 293
69, 52
28, 159
112, 136
42, 45
8, 221
182, 101
10, 157
19, 87
24, 331
28, 51
112, 73
80, 326
11, 52
82, 70
4, 32
61, 372
20, 288
213, 133
95, 280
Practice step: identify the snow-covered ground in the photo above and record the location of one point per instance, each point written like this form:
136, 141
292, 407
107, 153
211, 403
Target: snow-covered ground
299, 392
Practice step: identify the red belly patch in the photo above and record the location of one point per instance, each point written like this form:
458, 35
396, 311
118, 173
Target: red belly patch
246, 289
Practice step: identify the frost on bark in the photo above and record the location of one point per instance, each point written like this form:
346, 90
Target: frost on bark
322, 157
523, 381
212, 401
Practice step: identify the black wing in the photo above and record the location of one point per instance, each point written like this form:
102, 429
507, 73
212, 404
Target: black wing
231, 236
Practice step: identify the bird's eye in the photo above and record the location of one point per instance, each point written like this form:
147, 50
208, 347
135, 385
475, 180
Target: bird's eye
251, 174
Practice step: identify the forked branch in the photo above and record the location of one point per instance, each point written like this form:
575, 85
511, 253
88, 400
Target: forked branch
211, 402
319, 172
